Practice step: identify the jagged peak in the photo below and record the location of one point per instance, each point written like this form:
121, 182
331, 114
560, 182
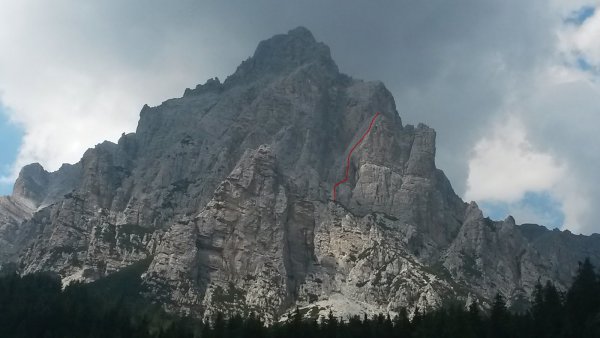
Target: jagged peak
211, 85
32, 168
31, 183
510, 220
302, 32
283, 53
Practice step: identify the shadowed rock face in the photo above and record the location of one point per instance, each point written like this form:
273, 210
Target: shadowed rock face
228, 190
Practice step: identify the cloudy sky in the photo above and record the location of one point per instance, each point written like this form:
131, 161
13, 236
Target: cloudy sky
512, 87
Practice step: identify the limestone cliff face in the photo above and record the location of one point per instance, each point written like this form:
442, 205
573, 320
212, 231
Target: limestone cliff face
259, 247
227, 190
34, 189
13, 211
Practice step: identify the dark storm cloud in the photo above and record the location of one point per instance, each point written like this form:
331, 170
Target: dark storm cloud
448, 64
458, 66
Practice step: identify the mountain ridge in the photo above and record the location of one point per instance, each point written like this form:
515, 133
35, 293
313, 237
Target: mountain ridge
228, 190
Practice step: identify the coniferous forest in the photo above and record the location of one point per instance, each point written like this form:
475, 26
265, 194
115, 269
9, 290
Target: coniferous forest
36, 306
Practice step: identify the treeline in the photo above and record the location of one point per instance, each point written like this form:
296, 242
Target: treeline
36, 306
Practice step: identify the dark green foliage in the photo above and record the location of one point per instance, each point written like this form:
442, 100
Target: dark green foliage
583, 303
547, 311
36, 306
499, 324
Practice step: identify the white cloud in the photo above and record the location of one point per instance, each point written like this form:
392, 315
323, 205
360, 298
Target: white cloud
75, 74
505, 165
540, 208
582, 41
586, 37
578, 211
524, 213
550, 144
564, 114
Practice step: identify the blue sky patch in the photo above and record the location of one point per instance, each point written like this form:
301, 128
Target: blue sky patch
540, 208
495, 210
10, 140
579, 16
584, 65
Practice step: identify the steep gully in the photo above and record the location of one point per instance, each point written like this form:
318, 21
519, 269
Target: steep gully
350, 154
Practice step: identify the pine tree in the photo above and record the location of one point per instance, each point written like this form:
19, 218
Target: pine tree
219, 326
355, 327
294, 327
416, 320
253, 327
499, 318
475, 319
536, 312
402, 324
583, 300
330, 326
388, 326
553, 312
235, 326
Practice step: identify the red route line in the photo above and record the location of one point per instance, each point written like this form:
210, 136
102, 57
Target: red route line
350, 154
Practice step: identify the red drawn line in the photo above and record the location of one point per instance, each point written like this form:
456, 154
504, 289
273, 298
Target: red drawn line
350, 154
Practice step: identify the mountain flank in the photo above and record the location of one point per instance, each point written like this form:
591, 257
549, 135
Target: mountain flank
226, 191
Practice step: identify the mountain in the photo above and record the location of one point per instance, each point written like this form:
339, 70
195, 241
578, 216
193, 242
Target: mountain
227, 191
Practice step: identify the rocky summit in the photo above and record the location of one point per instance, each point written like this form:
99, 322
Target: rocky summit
227, 193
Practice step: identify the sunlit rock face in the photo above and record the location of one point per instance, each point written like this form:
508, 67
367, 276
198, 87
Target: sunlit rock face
227, 192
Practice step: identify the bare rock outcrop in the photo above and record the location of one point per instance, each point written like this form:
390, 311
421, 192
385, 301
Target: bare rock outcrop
227, 192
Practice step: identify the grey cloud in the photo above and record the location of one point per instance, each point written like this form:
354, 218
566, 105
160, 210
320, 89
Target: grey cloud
453, 65
564, 120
